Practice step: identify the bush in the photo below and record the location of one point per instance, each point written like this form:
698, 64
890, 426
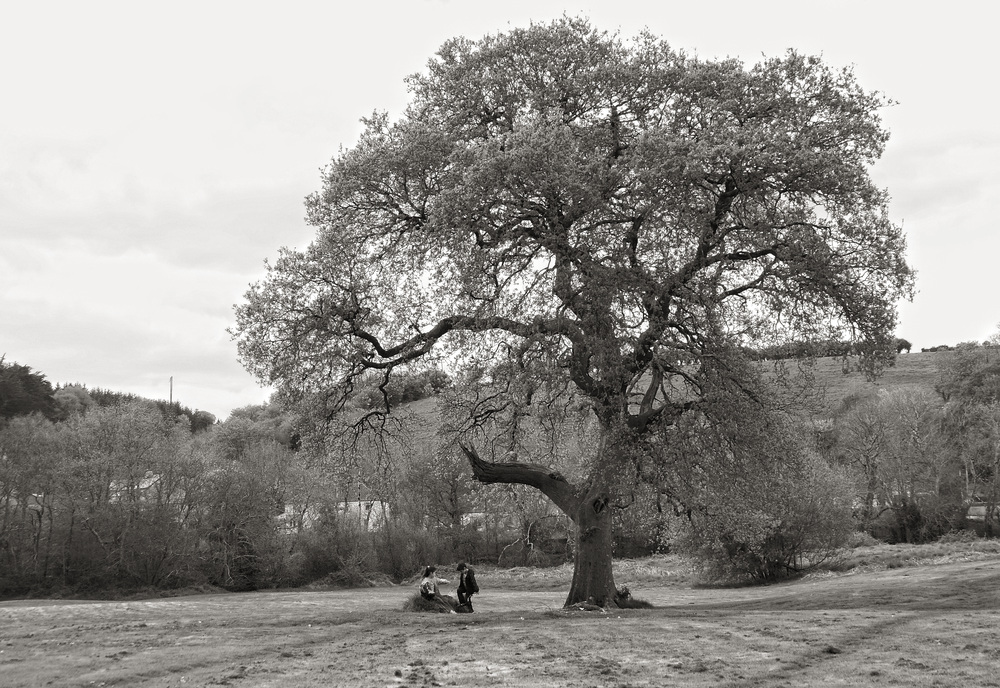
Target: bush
773, 525
861, 538
959, 537
342, 549
403, 550
335, 545
914, 522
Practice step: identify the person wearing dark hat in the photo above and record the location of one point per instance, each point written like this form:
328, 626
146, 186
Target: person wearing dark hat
467, 586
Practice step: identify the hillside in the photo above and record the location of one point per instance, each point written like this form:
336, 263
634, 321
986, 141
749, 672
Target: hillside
836, 379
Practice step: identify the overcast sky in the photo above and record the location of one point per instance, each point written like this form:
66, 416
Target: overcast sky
154, 154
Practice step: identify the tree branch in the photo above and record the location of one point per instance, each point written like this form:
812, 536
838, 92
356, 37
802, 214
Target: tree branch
550, 483
422, 342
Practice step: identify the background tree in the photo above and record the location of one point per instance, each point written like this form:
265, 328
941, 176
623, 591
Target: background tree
859, 441
125, 487
969, 383
970, 375
30, 462
71, 400
23, 392
608, 216
907, 481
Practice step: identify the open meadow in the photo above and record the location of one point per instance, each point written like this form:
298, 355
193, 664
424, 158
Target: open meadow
929, 618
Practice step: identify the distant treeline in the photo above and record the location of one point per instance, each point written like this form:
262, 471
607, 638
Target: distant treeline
24, 391
104, 492
836, 348
813, 349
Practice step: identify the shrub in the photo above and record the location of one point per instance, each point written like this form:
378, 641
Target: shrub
403, 550
335, 545
862, 538
772, 525
913, 521
959, 537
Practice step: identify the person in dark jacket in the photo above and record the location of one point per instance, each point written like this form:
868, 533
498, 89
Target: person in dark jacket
467, 586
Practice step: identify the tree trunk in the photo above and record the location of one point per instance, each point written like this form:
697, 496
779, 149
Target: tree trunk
593, 581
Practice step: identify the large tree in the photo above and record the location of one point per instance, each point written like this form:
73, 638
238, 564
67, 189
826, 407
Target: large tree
573, 207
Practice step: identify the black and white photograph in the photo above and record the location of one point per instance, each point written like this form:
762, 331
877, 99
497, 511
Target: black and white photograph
439, 343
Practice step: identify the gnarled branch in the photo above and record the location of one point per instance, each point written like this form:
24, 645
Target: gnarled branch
551, 483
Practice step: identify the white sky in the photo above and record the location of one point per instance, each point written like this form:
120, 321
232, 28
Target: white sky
153, 154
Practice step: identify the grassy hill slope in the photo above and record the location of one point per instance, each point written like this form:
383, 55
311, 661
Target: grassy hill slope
835, 380
838, 380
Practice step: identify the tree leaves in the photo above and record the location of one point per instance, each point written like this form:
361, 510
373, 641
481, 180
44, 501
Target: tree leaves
612, 200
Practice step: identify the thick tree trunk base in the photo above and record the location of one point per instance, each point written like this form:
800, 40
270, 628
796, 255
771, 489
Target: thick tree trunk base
593, 579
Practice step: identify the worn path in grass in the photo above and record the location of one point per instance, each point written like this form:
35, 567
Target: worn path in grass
920, 626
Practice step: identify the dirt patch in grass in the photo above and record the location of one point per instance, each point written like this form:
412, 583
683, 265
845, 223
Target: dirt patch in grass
932, 624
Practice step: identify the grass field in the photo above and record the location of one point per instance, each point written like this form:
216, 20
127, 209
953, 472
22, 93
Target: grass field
906, 617
886, 615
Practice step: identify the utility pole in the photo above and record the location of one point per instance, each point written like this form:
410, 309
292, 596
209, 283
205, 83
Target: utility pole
171, 390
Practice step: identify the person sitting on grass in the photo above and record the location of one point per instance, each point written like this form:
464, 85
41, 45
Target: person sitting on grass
429, 588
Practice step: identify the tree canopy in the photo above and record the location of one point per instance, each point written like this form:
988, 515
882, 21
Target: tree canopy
23, 392
609, 216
